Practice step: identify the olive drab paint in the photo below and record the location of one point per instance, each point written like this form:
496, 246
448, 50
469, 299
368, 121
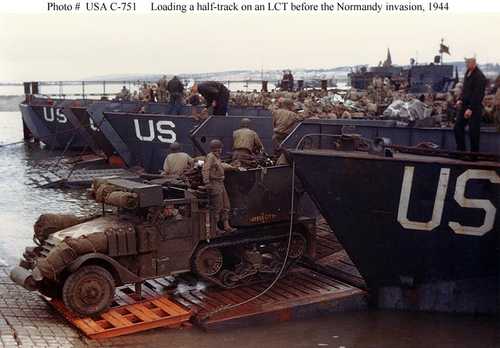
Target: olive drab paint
439, 202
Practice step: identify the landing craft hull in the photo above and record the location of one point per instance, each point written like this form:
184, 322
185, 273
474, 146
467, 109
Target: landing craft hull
61, 123
47, 122
387, 214
144, 139
404, 136
93, 133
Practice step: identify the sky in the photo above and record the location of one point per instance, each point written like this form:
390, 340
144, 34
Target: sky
74, 47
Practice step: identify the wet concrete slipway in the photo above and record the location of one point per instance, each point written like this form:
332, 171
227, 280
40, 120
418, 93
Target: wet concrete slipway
26, 320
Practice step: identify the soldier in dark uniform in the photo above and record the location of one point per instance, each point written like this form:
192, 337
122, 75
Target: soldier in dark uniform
287, 81
216, 95
470, 107
175, 88
213, 178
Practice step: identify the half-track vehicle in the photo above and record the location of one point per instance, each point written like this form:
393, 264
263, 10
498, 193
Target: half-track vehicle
166, 228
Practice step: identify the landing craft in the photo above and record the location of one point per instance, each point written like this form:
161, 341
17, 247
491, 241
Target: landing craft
144, 139
426, 235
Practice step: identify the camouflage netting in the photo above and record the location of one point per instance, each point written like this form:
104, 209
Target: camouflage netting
51, 223
68, 251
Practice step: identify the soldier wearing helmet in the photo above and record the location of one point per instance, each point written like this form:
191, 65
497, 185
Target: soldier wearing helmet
177, 162
213, 179
284, 121
161, 91
246, 144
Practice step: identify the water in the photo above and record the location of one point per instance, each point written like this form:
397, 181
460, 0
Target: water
21, 203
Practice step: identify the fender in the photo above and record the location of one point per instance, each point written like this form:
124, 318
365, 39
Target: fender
124, 275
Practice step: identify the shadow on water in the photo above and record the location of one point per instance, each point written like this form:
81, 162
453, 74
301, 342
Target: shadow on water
21, 202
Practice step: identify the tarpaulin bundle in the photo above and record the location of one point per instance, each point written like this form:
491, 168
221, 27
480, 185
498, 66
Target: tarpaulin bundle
68, 251
46, 224
112, 195
101, 188
127, 200
103, 191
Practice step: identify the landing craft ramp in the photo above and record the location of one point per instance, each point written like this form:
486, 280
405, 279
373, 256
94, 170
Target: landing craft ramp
62, 123
309, 290
47, 123
144, 139
222, 128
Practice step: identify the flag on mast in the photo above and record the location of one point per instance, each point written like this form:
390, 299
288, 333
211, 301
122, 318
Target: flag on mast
443, 48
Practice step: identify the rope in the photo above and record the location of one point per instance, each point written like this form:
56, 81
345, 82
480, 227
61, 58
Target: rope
283, 266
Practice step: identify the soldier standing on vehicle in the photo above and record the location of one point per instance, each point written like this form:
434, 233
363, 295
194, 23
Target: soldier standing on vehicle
213, 179
284, 121
162, 90
246, 144
216, 95
177, 162
176, 90
470, 107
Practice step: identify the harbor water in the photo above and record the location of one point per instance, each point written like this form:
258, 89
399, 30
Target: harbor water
21, 202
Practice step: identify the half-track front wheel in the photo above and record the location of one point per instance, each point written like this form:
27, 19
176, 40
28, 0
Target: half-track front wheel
89, 291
